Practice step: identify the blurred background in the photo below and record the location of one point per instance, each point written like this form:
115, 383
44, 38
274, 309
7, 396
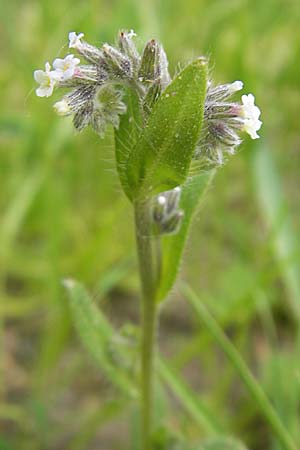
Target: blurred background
63, 215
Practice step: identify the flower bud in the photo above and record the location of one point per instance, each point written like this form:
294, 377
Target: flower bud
118, 65
128, 48
62, 108
154, 64
83, 116
167, 216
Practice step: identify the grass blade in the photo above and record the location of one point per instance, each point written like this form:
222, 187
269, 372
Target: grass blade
236, 360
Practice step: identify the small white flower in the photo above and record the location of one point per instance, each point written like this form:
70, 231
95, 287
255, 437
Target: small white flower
65, 67
62, 108
46, 79
251, 114
132, 34
250, 109
74, 39
235, 86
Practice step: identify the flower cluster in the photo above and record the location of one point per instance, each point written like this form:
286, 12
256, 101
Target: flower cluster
96, 93
224, 121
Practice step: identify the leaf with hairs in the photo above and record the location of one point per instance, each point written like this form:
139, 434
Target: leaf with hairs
162, 155
127, 134
193, 192
97, 335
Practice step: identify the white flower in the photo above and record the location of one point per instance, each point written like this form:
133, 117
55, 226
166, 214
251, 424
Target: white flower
65, 67
251, 114
74, 39
132, 34
62, 108
235, 86
46, 79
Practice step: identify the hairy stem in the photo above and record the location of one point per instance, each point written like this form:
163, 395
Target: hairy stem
148, 264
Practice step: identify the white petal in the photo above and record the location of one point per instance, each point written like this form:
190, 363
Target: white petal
55, 75
65, 67
48, 66
250, 110
44, 91
71, 59
64, 64
251, 126
39, 76
74, 39
58, 63
67, 74
132, 34
236, 86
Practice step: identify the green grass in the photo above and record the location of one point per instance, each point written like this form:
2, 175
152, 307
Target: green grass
62, 214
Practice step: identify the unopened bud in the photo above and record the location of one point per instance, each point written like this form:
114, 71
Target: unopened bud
83, 116
166, 214
128, 48
118, 65
62, 108
154, 64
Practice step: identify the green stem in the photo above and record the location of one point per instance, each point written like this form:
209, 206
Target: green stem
238, 363
148, 273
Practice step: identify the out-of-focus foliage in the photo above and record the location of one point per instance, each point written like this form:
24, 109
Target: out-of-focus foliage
63, 214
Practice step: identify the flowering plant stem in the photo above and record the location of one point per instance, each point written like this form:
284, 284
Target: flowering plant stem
148, 256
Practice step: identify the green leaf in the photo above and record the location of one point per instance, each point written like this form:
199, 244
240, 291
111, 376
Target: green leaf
161, 157
172, 245
127, 134
97, 336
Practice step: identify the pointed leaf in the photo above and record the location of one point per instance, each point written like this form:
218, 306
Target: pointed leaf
96, 334
172, 245
162, 156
